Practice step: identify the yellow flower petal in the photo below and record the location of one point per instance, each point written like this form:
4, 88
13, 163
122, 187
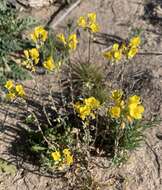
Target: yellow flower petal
72, 41
135, 41
136, 111
49, 64
10, 96
117, 55
9, 84
66, 151
115, 112
61, 38
84, 112
134, 99
82, 22
20, 90
115, 47
92, 17
116, 94
92, 102
56, 155
132, 52
39, 34
69, 160
94, 27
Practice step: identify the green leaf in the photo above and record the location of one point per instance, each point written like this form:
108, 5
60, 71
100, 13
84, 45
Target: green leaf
37, 148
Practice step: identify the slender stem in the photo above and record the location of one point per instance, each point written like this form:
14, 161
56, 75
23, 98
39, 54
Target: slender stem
40, 129
42, 102
61, 91
89, 47
71, 83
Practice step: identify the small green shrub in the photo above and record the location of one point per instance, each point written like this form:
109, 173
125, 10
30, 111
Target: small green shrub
12, 42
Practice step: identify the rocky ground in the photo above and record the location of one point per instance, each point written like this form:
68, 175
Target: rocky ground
117, 18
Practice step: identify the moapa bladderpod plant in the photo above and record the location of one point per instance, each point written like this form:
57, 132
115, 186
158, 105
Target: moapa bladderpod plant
84, 121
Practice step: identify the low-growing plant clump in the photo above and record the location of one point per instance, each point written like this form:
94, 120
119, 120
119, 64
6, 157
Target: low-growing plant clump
89, 118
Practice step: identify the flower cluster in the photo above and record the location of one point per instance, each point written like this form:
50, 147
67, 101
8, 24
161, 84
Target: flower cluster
87, 108
62, 158
70, 42
89, 22
39, 36
135, 108
13, 90
126, 111
31, 58
118, 51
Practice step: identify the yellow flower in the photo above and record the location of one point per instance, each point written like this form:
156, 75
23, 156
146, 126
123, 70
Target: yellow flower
20, 90
115, 47
84, 112
91, 17
39, 34
82, 22
135, 41
66, 151
68, 156
10, 96
117, 55
136, 111
116, 94
132, 52
92, 102
69, 160
72, 41
108, 55
56, 155
134, 100
87, 108
49, 64
29, 65
34, 54
13, 90
9, 84
121, 104
94, 27
61, 38
124, 48
114, 54
89, 22
31, 54
32, 58
115, 112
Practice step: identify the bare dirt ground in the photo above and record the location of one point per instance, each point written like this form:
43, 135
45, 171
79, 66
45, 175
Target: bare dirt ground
143, 171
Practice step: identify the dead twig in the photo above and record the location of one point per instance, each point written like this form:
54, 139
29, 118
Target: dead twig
67, 12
